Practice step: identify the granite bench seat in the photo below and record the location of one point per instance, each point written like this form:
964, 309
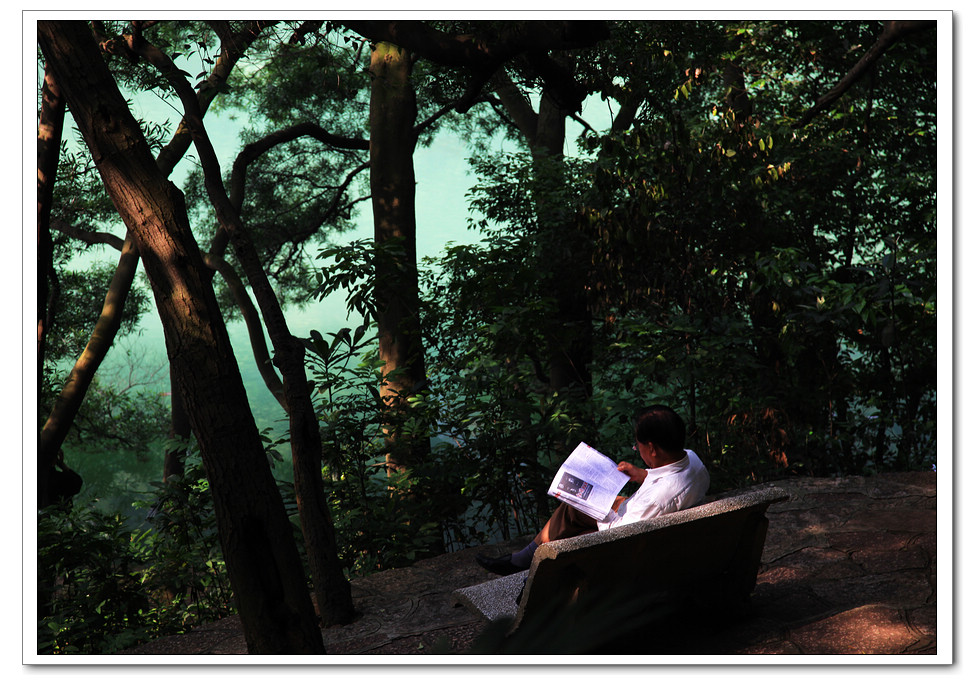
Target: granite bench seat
712, 550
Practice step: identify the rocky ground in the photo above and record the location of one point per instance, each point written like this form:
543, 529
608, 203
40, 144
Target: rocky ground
849, 567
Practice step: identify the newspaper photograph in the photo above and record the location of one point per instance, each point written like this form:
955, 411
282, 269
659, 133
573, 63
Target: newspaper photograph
588, 481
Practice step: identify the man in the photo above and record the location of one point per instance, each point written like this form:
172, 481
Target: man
676, 479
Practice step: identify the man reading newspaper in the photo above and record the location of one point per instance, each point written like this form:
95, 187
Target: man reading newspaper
675, 479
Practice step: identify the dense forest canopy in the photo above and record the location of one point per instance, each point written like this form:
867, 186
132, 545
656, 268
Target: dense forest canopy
734, 218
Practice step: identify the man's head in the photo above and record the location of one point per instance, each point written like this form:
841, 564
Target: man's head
660, 430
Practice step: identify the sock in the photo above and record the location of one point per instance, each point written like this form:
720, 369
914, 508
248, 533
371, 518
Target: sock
523, 558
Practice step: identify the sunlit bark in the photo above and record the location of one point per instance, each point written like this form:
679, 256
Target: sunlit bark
261, 558
331, 588
393, 185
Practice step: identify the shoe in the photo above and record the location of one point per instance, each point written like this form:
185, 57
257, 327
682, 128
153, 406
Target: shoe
499, 565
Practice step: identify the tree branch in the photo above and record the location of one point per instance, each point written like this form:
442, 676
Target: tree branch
255, 330
893, 32
483, 56
69, 400
238, 176
232, 48
86, 236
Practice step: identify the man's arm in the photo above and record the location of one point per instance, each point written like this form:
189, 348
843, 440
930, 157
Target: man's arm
634, 472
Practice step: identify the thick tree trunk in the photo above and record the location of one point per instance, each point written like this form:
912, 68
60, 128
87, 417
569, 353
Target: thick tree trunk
391, 145
64, 412
333, 591
262, 560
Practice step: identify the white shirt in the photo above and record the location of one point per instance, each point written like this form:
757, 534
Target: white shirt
667, 489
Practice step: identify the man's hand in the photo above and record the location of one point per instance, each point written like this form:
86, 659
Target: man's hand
634, 472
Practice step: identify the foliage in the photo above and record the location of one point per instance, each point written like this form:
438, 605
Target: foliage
89, 594
104, 586
717, 284
770, 317
382, 519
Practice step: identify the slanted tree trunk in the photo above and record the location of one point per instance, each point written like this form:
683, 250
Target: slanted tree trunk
262, 561
391, 145
65, 410
69, 400
49, 130
331, 588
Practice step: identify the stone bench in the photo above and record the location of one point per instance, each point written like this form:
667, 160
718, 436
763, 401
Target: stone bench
710, 553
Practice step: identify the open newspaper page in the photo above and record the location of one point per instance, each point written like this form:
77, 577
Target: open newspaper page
588, 481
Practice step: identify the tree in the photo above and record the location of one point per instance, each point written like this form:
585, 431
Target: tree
332, 590
262, 561
752, 287
49, 138
391, 144
717, 277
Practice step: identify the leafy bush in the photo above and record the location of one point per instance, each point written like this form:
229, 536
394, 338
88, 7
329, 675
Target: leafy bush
90, 594
382, 520
104, 586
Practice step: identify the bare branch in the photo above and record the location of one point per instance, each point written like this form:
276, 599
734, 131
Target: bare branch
255, 330
86, 236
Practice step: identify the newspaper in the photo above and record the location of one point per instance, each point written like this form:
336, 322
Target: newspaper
589, 482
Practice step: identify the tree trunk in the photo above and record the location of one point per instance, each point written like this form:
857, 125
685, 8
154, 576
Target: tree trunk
49, 129
69, 401
333, 591
64, 412
562, 246
262, 560
391, 144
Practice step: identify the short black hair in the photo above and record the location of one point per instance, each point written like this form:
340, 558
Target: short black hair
662, 426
